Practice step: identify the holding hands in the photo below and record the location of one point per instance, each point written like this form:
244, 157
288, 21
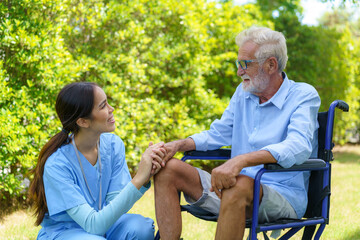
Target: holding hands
158, 154
175, 146
150, 164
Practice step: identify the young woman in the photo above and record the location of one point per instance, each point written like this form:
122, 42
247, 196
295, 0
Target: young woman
82, 188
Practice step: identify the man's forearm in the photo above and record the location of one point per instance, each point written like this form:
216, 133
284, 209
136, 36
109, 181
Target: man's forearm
186, 144
173, 147
254, 159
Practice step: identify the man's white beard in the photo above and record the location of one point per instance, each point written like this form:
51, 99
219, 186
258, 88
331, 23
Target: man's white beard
256, 85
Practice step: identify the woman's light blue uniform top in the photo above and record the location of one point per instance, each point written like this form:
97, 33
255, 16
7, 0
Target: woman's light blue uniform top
65, 187
286, 126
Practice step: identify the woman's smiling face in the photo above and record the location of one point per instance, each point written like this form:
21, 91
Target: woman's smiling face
102, 118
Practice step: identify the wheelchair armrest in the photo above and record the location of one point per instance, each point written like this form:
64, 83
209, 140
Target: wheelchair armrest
225, 153
307, 165
218, 154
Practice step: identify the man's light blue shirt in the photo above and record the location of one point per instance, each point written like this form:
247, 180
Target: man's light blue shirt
286, 126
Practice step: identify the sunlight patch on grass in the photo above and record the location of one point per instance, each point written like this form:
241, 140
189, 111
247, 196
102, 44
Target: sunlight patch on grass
19, 226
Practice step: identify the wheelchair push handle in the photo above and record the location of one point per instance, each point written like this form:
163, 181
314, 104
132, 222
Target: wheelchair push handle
342, 105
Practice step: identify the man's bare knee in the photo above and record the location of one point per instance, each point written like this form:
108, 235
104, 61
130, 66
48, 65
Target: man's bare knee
168, 172
242, 191
182, 176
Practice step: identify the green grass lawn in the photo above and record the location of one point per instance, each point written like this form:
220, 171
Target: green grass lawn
344, 212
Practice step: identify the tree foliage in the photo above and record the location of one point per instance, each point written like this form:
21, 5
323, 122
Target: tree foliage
33, 65
151, 57
346, 23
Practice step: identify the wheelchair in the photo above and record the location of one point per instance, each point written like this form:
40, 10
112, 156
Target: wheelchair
317, 212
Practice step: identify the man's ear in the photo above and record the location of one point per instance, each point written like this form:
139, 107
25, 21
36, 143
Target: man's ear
272, 65
83, 122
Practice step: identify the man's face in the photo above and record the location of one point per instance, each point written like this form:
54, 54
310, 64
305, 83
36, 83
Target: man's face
255, 80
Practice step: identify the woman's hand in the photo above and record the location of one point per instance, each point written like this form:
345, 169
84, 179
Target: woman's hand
149, 164
158, 156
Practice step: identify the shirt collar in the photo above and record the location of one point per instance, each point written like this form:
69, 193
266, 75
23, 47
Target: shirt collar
279, 98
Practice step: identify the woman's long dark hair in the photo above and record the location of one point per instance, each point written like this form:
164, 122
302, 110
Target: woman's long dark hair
74, 101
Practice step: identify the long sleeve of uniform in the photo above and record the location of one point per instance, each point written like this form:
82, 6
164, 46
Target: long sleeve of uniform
110, 196
98, 222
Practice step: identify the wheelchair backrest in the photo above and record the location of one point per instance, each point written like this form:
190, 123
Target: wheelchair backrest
316, 189
322, 120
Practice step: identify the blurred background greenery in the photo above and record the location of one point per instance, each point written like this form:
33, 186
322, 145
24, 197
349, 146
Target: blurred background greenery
167, 67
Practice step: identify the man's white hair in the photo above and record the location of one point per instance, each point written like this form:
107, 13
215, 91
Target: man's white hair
271, 44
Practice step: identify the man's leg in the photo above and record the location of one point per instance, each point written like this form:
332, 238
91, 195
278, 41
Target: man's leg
236, 206
175, 176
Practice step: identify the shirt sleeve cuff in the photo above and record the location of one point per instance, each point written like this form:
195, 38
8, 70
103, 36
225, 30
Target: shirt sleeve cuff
143, 189
133, 190
200, 141
285, 160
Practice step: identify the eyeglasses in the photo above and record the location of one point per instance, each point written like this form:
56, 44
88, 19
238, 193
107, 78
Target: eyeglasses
243, 63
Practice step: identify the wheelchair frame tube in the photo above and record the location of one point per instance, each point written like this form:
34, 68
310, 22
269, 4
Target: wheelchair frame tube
290, 233
319, 231
256, 198
325, 203
330, 121
330, 125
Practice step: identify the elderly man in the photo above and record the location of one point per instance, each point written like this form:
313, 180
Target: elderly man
270, 119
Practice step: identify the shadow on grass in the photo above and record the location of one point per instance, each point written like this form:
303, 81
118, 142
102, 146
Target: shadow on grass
10, 205
355, 235
347, 157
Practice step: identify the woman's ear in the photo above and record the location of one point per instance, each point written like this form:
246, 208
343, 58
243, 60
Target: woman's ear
83, 122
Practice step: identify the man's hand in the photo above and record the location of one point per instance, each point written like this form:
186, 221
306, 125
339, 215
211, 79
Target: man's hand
173, 147
171, 150
224, 176
157, 154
